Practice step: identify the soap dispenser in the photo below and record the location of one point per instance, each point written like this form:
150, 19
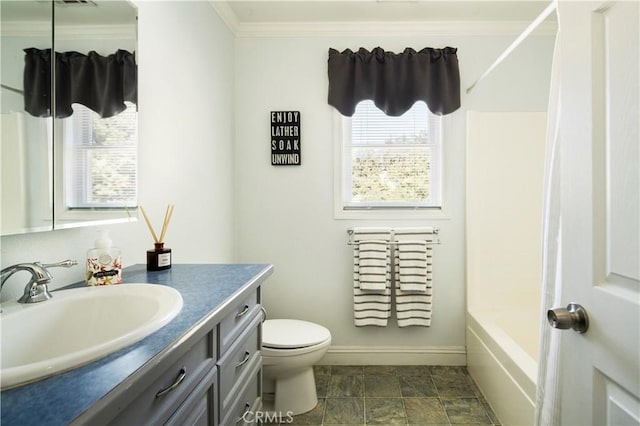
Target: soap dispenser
104, 266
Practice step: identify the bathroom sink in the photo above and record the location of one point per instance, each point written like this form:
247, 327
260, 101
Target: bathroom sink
78, 326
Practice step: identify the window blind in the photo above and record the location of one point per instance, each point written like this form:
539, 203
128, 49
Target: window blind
101, 155
392, 161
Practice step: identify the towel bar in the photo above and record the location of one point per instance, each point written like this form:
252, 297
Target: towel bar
353, 243
435, 232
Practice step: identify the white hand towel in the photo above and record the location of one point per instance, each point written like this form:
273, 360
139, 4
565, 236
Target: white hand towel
412, 265
372, 265
371, 307
414, 233
413, 279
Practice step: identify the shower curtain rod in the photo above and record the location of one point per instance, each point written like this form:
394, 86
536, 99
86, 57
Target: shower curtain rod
12, 89
545, 13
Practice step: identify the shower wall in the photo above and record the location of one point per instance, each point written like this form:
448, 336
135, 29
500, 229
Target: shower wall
505, 165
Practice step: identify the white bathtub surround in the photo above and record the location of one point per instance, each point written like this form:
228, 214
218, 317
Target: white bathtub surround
13, 163
371, 302
503, 370
505, 164
413, 272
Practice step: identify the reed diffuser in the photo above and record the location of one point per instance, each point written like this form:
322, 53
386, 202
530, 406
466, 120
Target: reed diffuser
160, 257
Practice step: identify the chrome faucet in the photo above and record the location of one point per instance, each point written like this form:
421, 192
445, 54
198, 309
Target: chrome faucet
36, 289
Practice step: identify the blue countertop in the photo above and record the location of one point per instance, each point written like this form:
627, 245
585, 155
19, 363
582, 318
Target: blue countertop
60, 399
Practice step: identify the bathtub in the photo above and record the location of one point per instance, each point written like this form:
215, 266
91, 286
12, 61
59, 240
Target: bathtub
504, 257
502, 359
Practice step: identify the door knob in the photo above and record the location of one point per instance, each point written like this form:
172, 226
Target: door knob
573, 316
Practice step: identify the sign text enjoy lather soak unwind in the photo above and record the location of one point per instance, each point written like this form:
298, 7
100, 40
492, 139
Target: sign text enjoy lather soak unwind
285, 138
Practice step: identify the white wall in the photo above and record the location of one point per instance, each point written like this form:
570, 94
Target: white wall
186, 148
280, 215
285, 214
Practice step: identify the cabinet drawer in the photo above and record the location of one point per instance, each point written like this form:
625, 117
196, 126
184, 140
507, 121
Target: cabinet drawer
236, 321
169, 389
245, 407
200, 408
240, 359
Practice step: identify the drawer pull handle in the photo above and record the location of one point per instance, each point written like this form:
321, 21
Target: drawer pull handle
243, 312
247, 355
242, 418
181, 375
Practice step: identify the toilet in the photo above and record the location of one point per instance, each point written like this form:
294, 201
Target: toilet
290, 348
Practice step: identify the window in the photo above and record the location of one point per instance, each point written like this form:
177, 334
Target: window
391, 162
100, 157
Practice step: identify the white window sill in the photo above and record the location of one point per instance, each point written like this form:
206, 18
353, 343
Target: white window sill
388, 214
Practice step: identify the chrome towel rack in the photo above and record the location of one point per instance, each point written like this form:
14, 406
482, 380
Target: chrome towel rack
351, 242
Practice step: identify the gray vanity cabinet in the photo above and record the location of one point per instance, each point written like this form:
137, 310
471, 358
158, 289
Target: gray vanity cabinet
240, 367
168, 392
211, 376
198, 408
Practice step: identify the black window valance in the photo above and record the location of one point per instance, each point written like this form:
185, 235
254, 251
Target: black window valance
394, 82
101, 83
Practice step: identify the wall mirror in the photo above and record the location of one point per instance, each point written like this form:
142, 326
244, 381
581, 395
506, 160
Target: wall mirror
26, 166
72, 162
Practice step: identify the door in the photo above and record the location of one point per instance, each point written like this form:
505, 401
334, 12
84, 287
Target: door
600, 190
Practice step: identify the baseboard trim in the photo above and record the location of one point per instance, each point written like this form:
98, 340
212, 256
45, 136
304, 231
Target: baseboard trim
395, 355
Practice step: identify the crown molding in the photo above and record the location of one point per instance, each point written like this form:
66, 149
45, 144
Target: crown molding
226, 14
26, 29
96, 32
365, 28
406, 28
67, 32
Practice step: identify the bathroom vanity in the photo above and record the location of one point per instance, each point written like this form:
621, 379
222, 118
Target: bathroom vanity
204, 367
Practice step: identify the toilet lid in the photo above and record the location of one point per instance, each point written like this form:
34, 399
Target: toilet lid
290, 334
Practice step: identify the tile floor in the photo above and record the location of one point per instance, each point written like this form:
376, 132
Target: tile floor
403, 395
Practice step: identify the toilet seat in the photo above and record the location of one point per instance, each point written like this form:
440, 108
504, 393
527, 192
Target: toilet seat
288, 334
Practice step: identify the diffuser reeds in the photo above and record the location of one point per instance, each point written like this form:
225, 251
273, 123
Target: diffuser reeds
165, 224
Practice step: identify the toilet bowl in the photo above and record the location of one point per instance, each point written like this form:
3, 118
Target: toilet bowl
289, 350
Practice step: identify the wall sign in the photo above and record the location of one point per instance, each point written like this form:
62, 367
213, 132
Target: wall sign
285, 138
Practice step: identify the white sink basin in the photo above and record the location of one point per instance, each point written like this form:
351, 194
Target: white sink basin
78, 326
